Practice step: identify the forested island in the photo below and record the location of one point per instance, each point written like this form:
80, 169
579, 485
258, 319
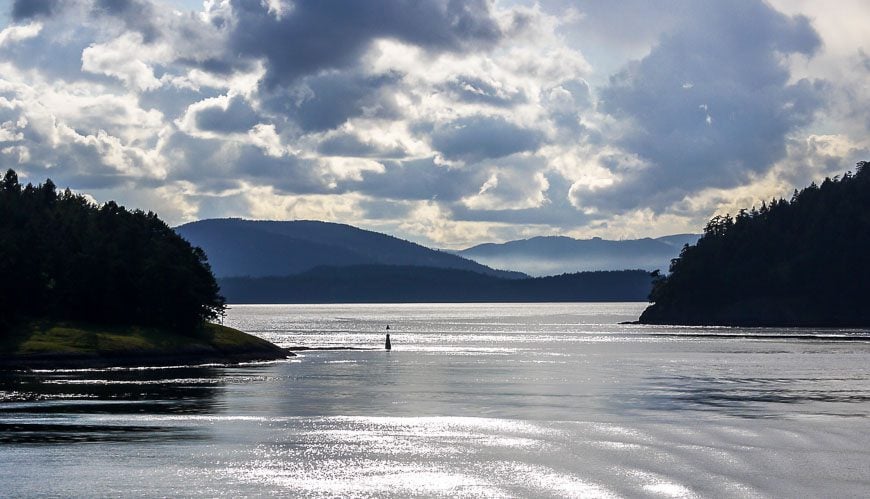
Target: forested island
82, 284
803, 262
413, 284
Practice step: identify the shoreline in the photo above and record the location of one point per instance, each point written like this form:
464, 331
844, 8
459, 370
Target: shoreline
45, 345
143, 359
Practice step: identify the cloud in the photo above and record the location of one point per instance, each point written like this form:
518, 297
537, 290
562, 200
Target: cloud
865, 59
28, 9
531, 199
485, 91
325, 101
476, 138
348, 144
733, 120
444, 121
225, 115
14, 34
122, 58
418, 179
136, 15
316, 35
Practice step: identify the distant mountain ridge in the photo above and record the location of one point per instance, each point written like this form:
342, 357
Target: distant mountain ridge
550, 255
259, 248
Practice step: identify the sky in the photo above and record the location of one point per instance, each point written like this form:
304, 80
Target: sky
446, 122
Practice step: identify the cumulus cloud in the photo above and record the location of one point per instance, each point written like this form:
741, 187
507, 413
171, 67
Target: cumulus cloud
444, 121
476, 138
418, 179
318, 35
735, 117
486, 91
121, 58
217, 116
136, 15
14, 34
326, 101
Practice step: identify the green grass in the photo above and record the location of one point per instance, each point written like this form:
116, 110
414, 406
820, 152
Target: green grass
59, 338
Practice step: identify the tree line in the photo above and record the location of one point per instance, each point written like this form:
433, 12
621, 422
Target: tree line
416, 284
65, 258
803, 262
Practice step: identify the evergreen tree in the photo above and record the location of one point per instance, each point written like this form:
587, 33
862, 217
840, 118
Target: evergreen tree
803, 263
63, 258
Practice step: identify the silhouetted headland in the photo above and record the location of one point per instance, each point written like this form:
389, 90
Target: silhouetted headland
87, 285
804, 262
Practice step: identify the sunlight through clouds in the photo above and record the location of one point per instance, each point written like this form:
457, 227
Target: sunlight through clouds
477, 120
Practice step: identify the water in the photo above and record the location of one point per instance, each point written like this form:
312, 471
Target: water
532, 400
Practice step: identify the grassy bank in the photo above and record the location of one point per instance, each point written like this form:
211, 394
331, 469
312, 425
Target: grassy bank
42, 344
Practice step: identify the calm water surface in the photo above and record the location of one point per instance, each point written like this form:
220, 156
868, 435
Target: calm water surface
531, 400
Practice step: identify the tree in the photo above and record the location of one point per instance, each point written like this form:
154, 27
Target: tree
805, 263
64, 258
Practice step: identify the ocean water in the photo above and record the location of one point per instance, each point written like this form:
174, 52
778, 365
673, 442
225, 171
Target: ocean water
477, 400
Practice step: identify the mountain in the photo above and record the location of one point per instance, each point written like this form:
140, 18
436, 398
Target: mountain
804, 262
558, 254
406, 284
257, 248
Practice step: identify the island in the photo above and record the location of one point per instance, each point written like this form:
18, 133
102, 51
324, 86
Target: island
83, 285
803, 263
416, 284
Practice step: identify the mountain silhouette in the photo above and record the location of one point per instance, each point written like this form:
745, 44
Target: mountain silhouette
259, 248
552, 255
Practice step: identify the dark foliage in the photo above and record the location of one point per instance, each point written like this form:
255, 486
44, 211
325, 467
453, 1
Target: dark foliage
410, 284
64, 258
804, 262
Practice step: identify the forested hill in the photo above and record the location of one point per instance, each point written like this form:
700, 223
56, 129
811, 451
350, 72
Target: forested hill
64, 258
804, 262
411, 284
257, 248
558, 254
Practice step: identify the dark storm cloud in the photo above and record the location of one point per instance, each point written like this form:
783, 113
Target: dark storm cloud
287, 174
26, 9
173, 101
419, 179
330, 99
213, 167
330, 34
239, 116
344, 144
137, 15
480, 137
711, 102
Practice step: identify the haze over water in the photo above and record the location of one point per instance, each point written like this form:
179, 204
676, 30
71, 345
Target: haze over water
474, 399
